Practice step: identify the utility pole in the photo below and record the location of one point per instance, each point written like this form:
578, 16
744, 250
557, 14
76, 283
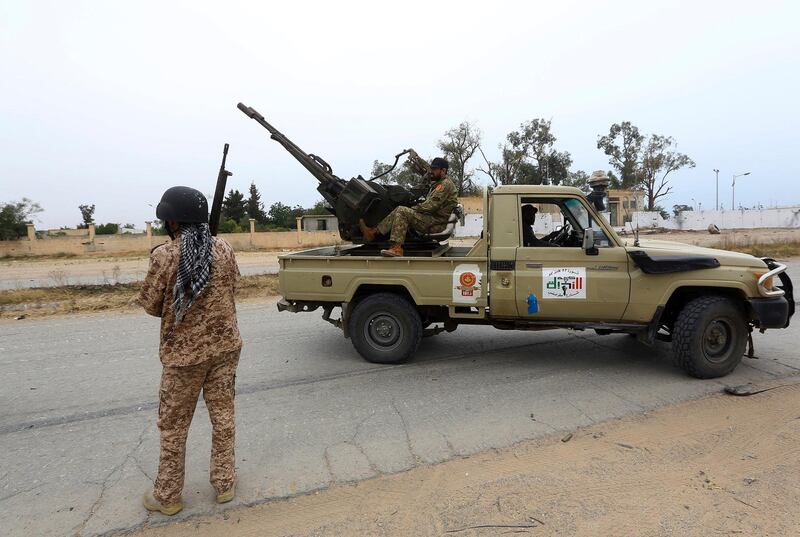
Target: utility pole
716, 171
733, 189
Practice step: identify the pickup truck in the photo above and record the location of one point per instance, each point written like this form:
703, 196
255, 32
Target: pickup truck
582, 276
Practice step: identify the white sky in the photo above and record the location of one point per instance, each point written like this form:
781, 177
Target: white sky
111, 103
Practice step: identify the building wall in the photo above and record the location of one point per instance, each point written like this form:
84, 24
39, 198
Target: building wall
784, 217
311, 222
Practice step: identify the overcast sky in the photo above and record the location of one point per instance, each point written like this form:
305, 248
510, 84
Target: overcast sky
113, 102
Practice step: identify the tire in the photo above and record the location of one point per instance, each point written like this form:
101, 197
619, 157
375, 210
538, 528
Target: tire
385, 328
709, 337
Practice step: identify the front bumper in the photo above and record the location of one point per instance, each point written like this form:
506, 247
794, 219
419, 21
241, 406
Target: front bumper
770, 312
775, 310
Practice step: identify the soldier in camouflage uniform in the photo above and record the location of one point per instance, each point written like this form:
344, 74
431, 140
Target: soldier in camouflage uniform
191, 284
430, 216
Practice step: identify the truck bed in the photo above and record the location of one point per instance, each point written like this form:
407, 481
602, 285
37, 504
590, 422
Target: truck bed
335, 273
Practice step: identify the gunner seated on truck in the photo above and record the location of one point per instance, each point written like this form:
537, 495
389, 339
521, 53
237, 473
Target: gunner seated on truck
430, 216
528, 219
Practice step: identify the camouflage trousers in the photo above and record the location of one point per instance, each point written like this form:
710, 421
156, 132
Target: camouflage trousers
180, 389
401, 218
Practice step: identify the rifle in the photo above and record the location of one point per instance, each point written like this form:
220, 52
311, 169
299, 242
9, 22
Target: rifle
219, 193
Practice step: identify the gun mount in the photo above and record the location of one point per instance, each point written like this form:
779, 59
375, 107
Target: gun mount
357, 198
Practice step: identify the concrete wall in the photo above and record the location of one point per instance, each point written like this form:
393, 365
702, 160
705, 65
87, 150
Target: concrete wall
783, 217
142, 244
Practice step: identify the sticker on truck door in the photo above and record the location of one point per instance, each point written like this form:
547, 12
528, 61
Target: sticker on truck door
467, 281
567, 282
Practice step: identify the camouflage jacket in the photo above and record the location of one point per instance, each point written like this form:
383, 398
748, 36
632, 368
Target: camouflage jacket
441, 200
209, 327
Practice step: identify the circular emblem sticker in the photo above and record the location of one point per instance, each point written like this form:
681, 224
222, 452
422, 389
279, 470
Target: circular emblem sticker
467, 279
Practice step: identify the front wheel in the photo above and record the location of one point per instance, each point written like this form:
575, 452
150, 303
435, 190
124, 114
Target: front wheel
385, 328
709, 337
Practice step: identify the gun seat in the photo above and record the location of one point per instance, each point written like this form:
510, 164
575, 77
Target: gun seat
456, 216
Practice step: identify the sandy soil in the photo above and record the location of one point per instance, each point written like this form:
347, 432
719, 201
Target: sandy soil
724, 465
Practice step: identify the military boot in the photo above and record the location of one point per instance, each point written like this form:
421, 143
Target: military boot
151, 504
225, 497
369, 233
395, 251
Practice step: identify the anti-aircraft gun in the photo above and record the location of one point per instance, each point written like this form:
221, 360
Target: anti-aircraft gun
357, 198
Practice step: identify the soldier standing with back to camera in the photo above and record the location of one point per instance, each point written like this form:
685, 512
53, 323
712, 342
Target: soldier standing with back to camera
191, 284
430, 216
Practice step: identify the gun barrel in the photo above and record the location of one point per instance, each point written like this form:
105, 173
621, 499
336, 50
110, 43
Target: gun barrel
219, 193
318, 167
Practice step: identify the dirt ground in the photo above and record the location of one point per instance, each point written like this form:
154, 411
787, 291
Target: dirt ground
724, 465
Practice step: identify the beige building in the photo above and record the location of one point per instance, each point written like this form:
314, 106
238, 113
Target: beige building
622, 204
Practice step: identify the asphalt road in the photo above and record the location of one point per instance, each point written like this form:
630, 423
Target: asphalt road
78, 443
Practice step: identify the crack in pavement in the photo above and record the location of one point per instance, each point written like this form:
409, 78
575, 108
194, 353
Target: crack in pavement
23, 491
117, 469
414, 456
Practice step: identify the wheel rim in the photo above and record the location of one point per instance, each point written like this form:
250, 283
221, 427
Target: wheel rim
383, 331
717, 340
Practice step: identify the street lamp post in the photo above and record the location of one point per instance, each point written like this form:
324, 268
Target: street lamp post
733, 189
716, 171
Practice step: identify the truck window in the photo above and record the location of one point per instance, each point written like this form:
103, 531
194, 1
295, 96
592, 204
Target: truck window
557, 223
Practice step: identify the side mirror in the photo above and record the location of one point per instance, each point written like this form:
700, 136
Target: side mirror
588, 242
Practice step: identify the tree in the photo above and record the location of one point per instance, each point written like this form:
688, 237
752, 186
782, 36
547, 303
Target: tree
403, 176
459, 145
662, 211
676, 209
578, 179
255, 208
87, 214
657, 162
233, 206
622, 144
13, 217
319, 208
280, 215
528, 157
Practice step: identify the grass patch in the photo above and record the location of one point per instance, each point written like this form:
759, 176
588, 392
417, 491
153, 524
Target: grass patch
42, 301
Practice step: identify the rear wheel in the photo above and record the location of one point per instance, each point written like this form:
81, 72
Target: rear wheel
385, 328
709, 337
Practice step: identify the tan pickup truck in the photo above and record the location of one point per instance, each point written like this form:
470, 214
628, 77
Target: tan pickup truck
581, 276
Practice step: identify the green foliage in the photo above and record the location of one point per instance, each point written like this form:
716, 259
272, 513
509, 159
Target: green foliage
233, 206
403, 176
128, 226
281, 215
578, 179
229, 226
319, 208
158, 228
662, 211
529, 157
676, 209
87, 214
643, 162
459, 145
13, 217
622, 144
657, 162
254, 206
106, 229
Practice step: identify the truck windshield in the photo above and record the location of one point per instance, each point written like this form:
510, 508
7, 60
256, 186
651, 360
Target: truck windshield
578, 212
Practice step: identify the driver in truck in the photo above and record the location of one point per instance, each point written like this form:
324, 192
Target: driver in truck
430, 216
528, 219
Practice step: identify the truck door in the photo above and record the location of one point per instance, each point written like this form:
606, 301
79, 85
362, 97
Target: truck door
555, 278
